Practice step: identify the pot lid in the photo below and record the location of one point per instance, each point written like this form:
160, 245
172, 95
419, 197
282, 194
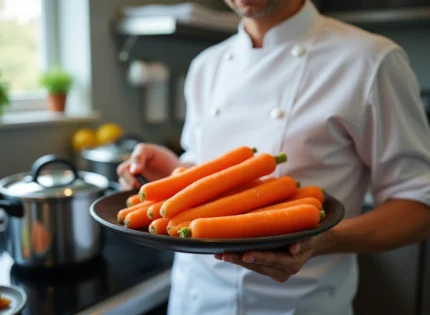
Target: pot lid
55, 183
117, 152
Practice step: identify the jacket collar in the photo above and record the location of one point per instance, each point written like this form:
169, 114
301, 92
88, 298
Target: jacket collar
289, 30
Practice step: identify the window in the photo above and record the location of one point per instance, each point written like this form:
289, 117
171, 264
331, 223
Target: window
26, 49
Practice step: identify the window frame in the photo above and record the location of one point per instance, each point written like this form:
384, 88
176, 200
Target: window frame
49, 57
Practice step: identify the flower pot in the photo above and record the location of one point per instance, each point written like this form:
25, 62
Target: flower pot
57, 102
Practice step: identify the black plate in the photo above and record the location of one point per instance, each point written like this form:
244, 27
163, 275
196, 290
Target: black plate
105, 209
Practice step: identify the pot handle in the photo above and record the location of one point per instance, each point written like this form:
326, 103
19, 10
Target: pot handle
12, 209
43, 161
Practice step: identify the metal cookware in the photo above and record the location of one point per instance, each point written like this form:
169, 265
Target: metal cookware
48, 220
104, 160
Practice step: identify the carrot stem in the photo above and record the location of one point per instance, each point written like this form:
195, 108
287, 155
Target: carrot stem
255, 150
322, 215
281, 158
185, 232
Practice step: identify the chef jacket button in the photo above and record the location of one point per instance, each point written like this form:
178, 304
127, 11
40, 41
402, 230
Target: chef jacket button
277, 113
228, 56
193, 293
215, 111
298, 51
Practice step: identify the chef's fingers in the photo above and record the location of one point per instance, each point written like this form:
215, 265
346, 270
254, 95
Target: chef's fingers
276, 274
142, 153
271, 259
299, 248
126, 177
123, 184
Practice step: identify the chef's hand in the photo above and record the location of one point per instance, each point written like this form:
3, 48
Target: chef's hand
151, 161
280, 266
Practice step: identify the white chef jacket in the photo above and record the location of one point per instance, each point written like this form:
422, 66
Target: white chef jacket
344, 105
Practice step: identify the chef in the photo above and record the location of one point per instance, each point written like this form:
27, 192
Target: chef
344, 105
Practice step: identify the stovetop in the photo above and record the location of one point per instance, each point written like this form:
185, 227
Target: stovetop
65, 291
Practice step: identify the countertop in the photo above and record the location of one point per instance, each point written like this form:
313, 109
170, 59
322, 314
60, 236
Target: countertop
124, 271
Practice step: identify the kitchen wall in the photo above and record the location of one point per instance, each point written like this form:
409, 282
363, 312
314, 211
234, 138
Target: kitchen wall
112, 95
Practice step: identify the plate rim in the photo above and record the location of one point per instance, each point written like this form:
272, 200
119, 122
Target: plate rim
20, 292
200, 241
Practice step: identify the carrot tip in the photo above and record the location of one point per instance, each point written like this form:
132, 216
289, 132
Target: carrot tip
281, 158
128, 204
142, 196
255, 150
149, 213
126, 223
152, 230
322, 215
119, 220
185, 232
162, 212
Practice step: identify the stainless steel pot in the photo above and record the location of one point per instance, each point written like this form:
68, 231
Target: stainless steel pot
104, 160
48, 220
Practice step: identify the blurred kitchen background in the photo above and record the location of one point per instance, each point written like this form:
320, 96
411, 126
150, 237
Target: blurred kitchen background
128, 63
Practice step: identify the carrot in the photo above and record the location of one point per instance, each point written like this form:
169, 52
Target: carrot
159, 226
254, 198
174, 230
287, 204
4, 302
138, 219
246, 186
154, 210
124, 212
208, 188
258, 224
309, 191
169, 186
178, 170
133, 200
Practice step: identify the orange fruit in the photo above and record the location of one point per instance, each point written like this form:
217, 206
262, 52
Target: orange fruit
108, 133
83, 138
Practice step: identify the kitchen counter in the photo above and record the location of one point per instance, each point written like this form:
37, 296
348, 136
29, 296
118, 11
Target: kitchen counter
127, 278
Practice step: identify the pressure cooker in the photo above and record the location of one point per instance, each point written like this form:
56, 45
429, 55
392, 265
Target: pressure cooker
48, 221
104, 160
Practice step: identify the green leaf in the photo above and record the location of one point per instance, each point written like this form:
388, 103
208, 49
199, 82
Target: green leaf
56, 80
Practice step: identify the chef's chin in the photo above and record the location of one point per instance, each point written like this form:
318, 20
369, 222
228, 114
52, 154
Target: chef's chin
253, 8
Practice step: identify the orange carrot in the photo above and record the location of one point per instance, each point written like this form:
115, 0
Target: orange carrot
208, 188
178, 170
309, 191
154, 210
133, 200
138, 219
124, 212
174, 230
287, 204
246, 186
254, 198
169, 186
259, 224
159, 226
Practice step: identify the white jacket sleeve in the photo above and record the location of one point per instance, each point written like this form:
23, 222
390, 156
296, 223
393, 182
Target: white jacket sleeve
395, 139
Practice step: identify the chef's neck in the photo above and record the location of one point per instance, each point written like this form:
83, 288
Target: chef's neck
258, 27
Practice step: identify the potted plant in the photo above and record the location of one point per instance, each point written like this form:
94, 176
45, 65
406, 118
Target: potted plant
58, 83
4, 96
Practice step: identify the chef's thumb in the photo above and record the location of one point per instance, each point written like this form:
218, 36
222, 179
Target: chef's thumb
138, 160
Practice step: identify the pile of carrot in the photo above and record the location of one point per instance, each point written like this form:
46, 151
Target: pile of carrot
232, 196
